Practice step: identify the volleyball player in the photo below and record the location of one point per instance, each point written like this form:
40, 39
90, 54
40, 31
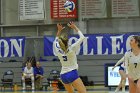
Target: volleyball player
28, 73
122, 74
67, 55
132, 63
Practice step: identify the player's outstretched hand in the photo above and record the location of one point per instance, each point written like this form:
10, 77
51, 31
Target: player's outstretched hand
60, 27
73, 26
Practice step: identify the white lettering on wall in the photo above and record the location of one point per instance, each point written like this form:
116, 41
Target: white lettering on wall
18, 47
116, 45
4, 44
9, 48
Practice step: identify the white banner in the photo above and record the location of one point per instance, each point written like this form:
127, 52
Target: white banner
125, 8
93, 9
114, 77
31, 10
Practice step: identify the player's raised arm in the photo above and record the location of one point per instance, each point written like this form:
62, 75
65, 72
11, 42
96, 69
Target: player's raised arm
55, 43
59, 29
75, 28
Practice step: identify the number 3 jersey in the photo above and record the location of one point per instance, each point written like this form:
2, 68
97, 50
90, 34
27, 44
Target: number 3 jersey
132, 64
68, 60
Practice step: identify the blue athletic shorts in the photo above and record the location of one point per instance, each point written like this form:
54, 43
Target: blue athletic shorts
69, 77
121, 68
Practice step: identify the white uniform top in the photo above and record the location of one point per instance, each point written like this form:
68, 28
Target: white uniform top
68, 60
28, 71
132, 64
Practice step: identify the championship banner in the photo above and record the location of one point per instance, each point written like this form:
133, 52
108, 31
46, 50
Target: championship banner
31, 10
93, 8
95, 44
125, 8
12, 47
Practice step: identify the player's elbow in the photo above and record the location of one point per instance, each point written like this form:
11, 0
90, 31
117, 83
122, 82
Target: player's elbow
82, 38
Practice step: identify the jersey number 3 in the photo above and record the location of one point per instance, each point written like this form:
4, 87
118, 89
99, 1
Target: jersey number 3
64, 58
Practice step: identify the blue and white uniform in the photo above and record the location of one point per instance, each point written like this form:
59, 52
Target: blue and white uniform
132, 63
122, 67
68, 60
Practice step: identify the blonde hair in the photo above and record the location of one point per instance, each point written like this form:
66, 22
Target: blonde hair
64, 38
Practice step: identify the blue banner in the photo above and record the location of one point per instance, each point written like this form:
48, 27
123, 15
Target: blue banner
95, 44
12, 47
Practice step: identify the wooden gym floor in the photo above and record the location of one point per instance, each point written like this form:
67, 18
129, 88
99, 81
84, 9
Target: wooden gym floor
59, 92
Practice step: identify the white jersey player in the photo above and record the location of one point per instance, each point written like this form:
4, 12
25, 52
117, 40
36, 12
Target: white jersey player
122, 74
132, 63
28, 73
67, 55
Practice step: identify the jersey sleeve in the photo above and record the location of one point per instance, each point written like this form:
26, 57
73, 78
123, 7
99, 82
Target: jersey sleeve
76, 45
55, 46
120, 61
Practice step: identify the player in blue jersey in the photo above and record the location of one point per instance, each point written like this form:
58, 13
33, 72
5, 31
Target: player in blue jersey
67, 55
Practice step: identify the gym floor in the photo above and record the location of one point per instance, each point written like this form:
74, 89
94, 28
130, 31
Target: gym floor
60, 92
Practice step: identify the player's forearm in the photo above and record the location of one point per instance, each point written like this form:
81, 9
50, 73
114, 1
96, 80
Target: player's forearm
76, 28
80, 34
80, 40
120, 61
58, 33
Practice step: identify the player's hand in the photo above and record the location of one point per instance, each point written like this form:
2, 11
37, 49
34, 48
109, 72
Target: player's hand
113, 68
72, 25
60, 27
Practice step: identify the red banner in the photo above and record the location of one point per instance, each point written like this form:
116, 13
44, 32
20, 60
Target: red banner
58, 11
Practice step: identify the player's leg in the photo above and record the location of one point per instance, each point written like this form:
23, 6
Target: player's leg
69, 88
23, 82
138, 86
123, 79
41, 81
32, 79
37, 83
132, 85
78, 84
65, 79
119, 86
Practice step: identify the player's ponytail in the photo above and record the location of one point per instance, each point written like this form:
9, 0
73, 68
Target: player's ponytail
64, 39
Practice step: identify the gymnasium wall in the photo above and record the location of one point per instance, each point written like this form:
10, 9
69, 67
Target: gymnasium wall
11, 26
